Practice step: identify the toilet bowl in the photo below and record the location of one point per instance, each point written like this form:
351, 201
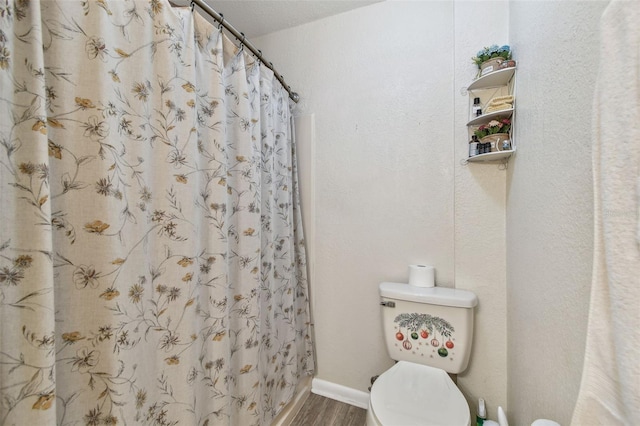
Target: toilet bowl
410, 394
428, 331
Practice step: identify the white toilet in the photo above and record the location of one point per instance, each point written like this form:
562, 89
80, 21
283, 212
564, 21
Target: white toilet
428, 330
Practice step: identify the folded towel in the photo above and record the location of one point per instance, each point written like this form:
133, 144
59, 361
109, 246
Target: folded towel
501, 99
499, 107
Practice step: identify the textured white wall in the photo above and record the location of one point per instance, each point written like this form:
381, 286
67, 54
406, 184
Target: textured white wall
549, 206
480, 188
384, 85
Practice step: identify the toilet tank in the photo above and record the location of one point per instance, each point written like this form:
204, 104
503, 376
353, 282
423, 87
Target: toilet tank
428, 325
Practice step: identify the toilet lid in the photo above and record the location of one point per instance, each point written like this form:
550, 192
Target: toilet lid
412, 394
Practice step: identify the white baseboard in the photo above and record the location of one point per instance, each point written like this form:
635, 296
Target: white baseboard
340, 393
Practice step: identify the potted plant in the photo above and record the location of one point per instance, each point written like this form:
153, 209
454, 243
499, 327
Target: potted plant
491, 58
496, 132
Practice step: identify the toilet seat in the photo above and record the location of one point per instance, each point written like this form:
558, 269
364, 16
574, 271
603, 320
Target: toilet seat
411, 394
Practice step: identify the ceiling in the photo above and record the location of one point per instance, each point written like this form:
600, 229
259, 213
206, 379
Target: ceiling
258, 17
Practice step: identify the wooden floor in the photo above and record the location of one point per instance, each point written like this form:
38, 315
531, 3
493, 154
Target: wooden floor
320, 411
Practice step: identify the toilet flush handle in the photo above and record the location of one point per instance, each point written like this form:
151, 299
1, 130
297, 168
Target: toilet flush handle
388, 304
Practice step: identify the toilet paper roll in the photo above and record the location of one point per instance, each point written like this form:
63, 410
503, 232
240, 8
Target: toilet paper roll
422, 275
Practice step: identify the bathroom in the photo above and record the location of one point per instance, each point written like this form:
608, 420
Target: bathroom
387, 187
382, 142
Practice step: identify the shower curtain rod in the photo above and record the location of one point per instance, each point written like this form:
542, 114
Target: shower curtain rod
243, 42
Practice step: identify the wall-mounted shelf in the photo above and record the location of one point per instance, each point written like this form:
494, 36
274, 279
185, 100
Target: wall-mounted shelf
485, 118
491, 156
494, 79
488, 87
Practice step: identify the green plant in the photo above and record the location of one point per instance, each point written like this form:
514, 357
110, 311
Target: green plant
493, 127
491, 52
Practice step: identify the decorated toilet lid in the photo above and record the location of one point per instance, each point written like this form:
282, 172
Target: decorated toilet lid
411, 394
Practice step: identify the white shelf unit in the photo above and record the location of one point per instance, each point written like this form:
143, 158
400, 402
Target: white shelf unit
491, 156
494, 79
485, 118
497, 83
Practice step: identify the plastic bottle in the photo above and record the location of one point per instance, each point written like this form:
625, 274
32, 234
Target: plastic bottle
476, 109
473, 146
482, 413
502, 417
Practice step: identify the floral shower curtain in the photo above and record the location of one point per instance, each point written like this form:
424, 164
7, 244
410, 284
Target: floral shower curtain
152, 268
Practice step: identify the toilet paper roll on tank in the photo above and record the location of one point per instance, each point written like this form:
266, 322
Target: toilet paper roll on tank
422, 275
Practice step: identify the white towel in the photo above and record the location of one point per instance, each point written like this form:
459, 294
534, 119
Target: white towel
506, 99
638, 198
610, 389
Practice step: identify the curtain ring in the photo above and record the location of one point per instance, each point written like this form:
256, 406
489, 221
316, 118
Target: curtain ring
221, 24
242, 41
192, 5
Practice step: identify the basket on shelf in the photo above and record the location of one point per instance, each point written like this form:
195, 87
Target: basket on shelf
497, 141
491, 65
